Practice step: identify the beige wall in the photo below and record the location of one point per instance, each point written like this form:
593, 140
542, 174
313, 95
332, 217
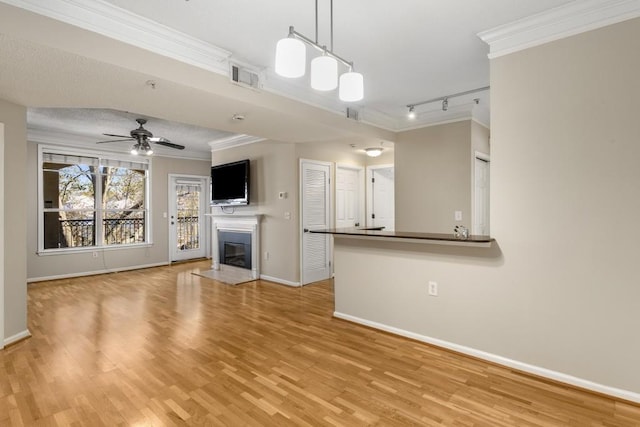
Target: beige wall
561, 291
47, 266
15, 212
275, 168
272, 171
433, 177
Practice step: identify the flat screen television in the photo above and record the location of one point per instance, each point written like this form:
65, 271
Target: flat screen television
230, 184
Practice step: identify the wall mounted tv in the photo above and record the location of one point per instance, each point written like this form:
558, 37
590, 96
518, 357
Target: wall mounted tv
230, 184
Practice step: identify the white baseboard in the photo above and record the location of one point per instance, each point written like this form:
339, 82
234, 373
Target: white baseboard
521, 366
93, 273
17, 337
281, 281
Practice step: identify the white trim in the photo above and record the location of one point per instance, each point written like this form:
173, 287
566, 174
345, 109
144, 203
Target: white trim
240, 223
369, 191
15, 338
233, 141
100, 155
2, 241
570, 19
280, 281
114, 22
500, 360
96, 272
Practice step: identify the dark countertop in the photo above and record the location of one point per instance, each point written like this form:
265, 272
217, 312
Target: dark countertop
405, 235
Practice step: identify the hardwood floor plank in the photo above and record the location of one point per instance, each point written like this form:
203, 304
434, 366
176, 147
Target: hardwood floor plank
164, 347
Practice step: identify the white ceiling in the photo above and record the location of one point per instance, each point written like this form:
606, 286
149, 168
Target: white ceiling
51, 55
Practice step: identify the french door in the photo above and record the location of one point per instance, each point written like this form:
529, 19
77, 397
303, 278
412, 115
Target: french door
187, 206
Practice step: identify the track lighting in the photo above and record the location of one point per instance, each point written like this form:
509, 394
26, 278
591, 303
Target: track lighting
445, 101
291, 63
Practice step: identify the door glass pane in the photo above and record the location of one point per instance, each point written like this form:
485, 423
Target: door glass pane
188, 220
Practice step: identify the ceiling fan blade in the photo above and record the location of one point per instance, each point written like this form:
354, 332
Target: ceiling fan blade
165, 142
117, 136
115, 140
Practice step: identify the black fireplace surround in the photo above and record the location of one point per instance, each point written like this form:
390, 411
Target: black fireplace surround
235, 248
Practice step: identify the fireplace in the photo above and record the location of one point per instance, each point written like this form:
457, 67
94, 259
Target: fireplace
236, 242
235, 248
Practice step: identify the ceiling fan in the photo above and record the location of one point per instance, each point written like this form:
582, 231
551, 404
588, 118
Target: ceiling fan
142, 138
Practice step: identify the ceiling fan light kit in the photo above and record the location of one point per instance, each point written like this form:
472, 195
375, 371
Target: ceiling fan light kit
291, 63
142, 138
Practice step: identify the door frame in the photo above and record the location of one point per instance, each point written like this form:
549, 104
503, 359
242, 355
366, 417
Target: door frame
362, 215
206, 234
301, 211
2, 236
369, 190
478, 155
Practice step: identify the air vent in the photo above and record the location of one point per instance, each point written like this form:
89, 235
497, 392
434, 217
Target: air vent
353, 114
244, 77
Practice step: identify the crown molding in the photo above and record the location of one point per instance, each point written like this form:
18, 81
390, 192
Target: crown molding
233, 141
557, 23
111, 21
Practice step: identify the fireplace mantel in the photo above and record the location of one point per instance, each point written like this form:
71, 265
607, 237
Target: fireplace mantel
240, 223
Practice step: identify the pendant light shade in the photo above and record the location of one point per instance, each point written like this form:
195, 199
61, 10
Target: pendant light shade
351, 87
324, 73
290, 58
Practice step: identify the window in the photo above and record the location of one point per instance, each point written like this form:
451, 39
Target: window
90, 201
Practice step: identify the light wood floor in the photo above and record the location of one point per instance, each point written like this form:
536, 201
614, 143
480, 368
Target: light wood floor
165, 347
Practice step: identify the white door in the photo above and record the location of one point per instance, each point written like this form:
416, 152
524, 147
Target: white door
382, 198
315, 215
187, 204
481, 196
349, 197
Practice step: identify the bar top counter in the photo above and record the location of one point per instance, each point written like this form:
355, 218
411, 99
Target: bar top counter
408, 236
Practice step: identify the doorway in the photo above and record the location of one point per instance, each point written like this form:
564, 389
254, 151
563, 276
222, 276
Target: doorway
187, 226
481, 195
349, 196
315, 214
381, 197
2, 235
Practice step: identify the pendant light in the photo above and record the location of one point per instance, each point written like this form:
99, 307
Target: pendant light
351, 87
291, 58
324, 73
291, 61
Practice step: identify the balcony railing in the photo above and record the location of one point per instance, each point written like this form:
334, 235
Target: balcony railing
81, 232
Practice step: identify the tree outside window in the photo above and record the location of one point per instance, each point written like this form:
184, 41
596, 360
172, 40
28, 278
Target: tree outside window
90, 201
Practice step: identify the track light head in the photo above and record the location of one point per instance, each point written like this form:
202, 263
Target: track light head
445, 104
412, 113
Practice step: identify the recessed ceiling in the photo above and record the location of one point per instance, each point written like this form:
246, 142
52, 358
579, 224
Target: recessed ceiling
54, 56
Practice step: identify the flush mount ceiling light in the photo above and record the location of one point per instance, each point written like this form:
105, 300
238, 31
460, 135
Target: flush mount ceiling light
411, 114
291, 63
373, 151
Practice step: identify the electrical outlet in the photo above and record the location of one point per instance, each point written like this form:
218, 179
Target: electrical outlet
266, 255
457, 215
433, 289
95, 254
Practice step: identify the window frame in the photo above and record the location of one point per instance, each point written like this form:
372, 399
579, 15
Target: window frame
99, 213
